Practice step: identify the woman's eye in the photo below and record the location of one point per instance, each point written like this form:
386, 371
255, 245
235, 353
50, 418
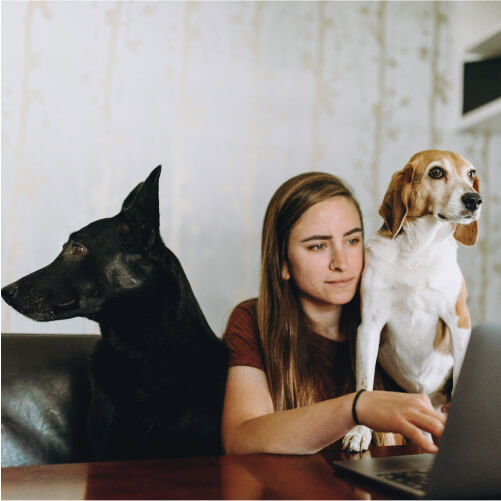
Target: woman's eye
436, 173
317, 247
353, 241
76, 250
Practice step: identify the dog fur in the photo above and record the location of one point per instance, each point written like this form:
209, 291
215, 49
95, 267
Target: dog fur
158, 373
415, 320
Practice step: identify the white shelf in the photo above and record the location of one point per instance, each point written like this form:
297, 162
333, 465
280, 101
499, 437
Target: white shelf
483, 118
489, 45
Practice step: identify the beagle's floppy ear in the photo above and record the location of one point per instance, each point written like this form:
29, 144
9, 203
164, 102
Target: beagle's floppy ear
467, 234
396, 201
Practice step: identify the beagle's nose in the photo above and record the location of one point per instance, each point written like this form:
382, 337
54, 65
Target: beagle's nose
472, 201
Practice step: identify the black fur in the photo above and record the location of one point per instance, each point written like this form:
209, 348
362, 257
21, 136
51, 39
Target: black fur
158, 373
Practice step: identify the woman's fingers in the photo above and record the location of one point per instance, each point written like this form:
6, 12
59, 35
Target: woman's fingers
415, 435
409, 414
431, 424
424, 420
445, 408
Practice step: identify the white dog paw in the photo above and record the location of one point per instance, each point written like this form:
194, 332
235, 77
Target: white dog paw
357, 439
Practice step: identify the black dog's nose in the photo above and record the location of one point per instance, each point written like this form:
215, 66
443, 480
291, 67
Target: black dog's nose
9, 291
472, 201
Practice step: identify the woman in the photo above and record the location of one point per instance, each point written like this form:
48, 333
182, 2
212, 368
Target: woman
290, 382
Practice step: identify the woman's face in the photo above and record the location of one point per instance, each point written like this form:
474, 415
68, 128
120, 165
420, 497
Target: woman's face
325, 253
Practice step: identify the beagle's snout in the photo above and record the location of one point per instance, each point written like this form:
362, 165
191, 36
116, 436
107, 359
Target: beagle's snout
472, 201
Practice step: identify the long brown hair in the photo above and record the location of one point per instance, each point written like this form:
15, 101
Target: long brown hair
292, 374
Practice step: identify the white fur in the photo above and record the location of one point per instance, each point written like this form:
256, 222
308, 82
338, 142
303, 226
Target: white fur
409, 283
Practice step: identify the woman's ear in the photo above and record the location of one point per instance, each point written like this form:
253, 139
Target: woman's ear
285, 271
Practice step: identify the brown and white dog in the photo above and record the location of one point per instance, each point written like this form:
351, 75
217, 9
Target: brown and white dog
415, 321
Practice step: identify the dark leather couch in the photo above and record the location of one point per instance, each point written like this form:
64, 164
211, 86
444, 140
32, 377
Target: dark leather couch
45, 398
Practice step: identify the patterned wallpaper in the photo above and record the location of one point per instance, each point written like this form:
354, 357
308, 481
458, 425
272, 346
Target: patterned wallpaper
232, 98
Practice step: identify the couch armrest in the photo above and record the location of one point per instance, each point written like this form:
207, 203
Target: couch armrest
45, 398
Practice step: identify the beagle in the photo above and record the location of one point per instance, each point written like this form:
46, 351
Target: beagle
415, 321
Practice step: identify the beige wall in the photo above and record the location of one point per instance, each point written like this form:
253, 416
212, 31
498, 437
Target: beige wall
232, 98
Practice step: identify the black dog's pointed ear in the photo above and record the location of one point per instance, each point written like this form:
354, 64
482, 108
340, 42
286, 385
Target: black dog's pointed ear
141, 207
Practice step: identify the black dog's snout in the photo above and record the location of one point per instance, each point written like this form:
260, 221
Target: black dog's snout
472, 201
9, 292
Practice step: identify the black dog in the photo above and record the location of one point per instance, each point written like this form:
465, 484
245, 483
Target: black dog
158, 373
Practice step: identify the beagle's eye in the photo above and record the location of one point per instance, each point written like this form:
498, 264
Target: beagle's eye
76, 250
436, 173
471, 174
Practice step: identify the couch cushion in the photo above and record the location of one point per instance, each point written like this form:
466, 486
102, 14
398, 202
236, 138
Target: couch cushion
45, 398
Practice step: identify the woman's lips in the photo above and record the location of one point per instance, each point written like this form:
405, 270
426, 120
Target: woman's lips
341, 283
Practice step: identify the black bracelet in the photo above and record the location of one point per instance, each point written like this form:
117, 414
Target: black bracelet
353, 409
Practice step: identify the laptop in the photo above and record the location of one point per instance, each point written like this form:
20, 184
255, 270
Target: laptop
468, 463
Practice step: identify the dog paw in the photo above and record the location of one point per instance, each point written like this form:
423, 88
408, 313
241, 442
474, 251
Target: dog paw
357, 439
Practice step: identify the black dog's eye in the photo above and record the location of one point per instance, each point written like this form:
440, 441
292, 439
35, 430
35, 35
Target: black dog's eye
76, 250
472, 174
436, 173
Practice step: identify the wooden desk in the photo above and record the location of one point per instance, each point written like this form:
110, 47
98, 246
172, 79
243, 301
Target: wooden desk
227, 477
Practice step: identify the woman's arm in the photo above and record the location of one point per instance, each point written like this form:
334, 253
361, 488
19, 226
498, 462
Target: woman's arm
251, 426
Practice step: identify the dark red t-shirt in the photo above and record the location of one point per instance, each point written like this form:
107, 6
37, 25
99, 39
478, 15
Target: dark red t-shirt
332, 357
242, 338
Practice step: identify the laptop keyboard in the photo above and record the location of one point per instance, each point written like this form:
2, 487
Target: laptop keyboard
416, 479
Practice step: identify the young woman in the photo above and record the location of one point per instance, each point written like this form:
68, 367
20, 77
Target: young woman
290, 383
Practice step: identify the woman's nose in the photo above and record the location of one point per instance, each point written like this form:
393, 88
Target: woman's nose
338, 261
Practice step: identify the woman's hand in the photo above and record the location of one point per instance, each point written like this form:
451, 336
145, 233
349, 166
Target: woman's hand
406, 413
445, 408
